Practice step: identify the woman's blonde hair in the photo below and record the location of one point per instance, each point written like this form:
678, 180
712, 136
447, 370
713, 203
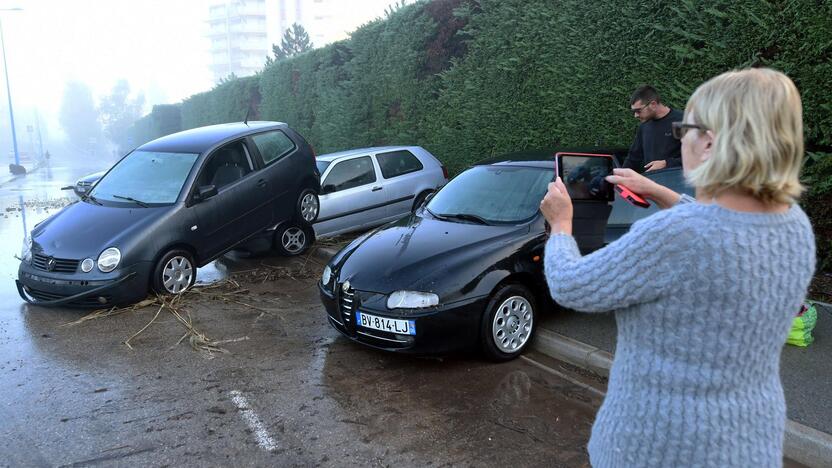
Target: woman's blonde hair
757, 120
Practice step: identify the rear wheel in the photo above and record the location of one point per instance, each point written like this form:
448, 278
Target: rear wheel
308, 205
293, 238
175, 272
508, 322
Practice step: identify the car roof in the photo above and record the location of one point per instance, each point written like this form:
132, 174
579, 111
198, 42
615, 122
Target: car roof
200, 139
544, 158
329, 157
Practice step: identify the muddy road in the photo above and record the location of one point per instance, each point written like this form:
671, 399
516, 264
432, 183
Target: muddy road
245, 371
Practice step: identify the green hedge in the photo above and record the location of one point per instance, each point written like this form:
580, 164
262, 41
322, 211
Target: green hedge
227, 102
162, 120
470, 78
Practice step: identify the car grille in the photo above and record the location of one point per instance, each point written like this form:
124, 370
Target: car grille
347, 303
85, 302
61, 265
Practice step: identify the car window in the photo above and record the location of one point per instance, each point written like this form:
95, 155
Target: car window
273, 145
396, 163
147, 176
226, 165
624, 213
494, 193
352, 173
322, 165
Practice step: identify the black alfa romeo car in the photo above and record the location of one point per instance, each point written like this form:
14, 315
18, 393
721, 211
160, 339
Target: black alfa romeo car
170, 206
466, 269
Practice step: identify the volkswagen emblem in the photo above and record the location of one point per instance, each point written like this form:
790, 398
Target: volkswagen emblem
346, 286
50, 264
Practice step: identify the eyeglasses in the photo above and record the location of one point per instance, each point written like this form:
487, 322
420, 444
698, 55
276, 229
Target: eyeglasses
679, 129
638, 110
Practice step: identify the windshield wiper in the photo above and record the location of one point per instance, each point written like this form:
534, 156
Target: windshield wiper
140, 203
91, 198
468, 217
434, 214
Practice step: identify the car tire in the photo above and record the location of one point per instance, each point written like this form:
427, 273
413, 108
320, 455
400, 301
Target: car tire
308, 205
293, 238
174, 273
508, 322
419, 200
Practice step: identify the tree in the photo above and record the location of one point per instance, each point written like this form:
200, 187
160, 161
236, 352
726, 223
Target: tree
79, 117
295, 41
118, 112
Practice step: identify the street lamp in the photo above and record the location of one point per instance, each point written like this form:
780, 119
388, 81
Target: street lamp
8, 88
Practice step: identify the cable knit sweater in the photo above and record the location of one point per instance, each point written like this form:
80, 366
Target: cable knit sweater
703, 298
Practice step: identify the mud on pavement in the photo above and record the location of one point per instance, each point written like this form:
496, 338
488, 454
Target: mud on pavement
254, 375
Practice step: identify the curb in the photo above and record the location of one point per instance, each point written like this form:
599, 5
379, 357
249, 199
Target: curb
802, 444
322, 255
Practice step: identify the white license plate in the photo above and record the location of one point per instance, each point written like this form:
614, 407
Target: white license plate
401, 327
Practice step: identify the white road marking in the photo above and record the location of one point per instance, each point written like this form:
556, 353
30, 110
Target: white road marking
264, 440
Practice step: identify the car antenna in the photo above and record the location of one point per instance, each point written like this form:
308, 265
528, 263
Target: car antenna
247, 112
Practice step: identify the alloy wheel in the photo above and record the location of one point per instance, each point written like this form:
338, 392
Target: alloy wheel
309, 206
177, 275
293, 240
512, 324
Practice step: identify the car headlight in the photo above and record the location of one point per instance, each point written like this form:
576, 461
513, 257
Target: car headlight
87, 264
326, 276
411, 300
26, 250
108, 260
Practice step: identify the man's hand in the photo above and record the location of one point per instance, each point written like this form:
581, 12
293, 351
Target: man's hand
556, 207
655, 165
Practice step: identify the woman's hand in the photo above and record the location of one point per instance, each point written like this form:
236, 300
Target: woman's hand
663, 196
556, 207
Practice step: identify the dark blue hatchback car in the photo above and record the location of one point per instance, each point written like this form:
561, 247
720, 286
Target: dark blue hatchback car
170, 206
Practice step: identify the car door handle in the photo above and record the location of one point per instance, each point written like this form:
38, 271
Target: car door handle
261, 183
376, 189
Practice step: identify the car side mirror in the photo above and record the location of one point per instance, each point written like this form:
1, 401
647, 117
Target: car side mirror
328, 188
205, 192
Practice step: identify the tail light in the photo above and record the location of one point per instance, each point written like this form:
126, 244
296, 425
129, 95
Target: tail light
445, 172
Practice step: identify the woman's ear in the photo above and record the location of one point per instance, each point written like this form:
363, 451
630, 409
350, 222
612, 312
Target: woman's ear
708, 144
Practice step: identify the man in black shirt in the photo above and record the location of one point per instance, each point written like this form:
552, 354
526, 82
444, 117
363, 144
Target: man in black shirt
654, 147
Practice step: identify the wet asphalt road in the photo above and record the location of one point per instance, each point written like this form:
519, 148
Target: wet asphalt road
287, 391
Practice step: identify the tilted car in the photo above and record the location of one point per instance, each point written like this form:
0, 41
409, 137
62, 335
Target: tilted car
367, 187
466, 269
170, 206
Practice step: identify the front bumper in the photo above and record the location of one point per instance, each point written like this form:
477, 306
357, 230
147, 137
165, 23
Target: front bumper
439, 330
123, 286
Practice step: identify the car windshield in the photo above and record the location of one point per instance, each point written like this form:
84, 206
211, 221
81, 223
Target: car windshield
145, 177
494, 194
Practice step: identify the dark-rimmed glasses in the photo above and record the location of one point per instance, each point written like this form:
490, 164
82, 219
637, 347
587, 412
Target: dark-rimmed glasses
679, 129
638, 110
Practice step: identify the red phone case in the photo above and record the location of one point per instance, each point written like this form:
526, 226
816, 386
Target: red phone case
631, 197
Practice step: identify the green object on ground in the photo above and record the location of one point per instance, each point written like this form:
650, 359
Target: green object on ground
802, 326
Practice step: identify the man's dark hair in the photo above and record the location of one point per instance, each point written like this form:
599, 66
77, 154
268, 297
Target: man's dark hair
645, 94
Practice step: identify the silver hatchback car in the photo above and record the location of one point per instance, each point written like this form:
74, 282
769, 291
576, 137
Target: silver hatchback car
367, 187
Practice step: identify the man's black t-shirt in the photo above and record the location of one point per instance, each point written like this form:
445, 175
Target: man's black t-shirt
654, 142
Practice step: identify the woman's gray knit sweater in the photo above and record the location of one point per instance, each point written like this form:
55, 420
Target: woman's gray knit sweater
703, 298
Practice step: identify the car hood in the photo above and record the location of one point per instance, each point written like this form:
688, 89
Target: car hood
84, 230
414, 251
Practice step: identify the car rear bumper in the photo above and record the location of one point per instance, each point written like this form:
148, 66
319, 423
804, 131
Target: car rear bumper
124, 286
449, 328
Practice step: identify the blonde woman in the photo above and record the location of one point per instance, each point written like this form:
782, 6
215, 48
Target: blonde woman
703, 292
